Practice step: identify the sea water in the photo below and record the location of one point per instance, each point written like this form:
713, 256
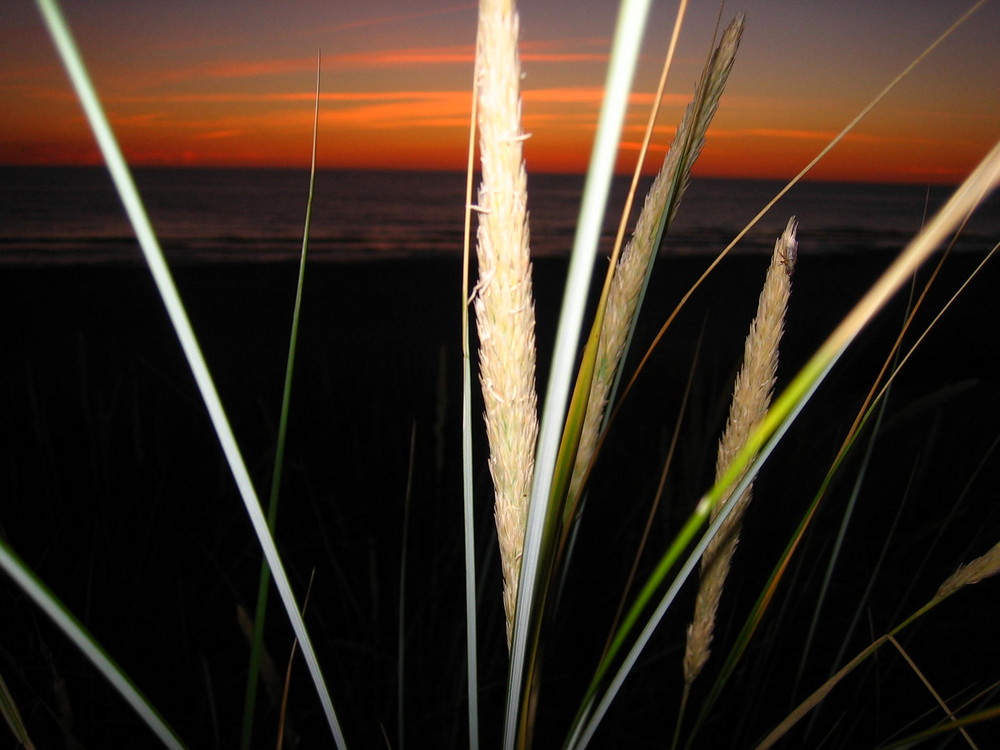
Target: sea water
73, 215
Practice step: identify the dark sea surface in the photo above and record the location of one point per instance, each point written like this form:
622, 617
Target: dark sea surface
72, 215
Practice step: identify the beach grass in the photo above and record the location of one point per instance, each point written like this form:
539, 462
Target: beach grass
572, 699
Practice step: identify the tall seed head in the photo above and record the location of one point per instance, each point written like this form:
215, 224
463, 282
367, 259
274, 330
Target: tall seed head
505, 315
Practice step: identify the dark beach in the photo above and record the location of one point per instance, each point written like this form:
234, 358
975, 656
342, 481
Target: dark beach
125, 506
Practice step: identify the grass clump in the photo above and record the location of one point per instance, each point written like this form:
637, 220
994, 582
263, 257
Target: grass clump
541, 469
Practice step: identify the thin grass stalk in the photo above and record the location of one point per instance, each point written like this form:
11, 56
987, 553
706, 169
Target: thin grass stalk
286, 686
401, 628
468, 495
930, 688
764, 438
50, 604
892, 362
505, 312
264, 579
751, 398
539, 536
563, 501
117, 166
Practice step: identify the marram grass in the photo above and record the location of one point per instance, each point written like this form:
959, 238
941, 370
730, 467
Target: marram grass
531, 528
751, 397
505, 309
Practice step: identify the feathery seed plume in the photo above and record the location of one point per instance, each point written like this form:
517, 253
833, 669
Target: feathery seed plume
636, 259
751, 399
982, 567
505, 314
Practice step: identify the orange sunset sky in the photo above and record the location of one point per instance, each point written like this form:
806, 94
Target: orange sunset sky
222, 82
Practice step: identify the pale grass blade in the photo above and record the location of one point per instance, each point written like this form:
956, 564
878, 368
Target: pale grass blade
122, 178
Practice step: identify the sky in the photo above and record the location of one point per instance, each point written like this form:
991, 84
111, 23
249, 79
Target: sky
227, 83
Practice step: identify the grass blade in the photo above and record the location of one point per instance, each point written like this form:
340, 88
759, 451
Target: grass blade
264, 579
630, 25
403, 557
83, 640
122, 178
8, 709
930, 688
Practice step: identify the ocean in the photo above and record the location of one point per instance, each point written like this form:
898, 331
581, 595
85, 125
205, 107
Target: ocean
59, 215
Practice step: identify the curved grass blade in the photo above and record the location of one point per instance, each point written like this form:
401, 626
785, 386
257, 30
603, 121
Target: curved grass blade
83, 640
122, 178
264, 579
539, 537
762, 440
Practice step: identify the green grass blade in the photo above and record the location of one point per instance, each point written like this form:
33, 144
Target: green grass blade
122, 178
630, 25
83, 640
264, 579
762, 440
